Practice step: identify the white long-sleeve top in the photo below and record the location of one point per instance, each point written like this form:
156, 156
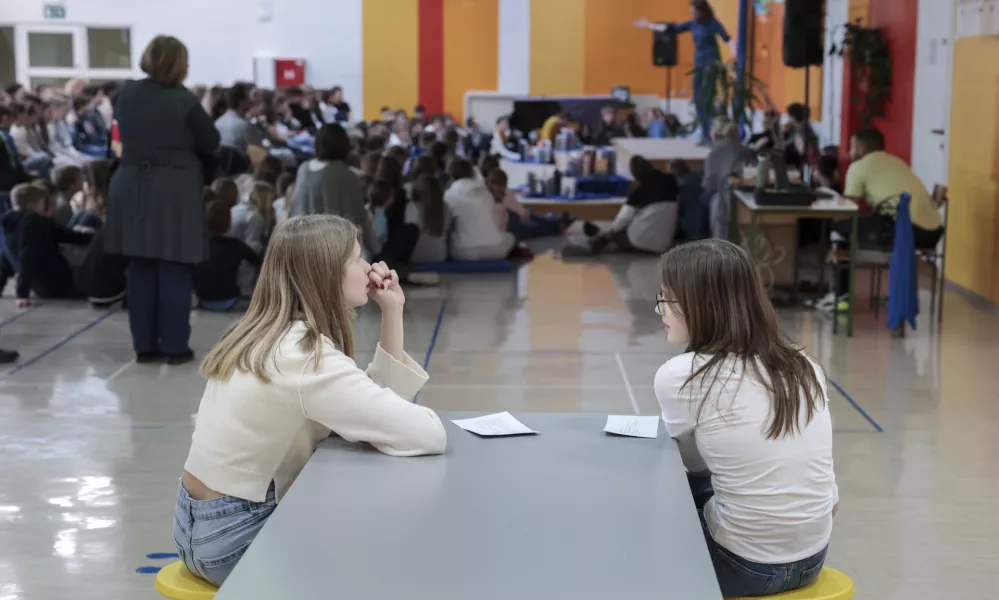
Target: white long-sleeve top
249, 433
496, 147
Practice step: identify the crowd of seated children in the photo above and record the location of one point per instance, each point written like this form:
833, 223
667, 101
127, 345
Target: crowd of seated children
216, 280
517, 218
12, 170
26, 135
647, 220
31, 246
68, 182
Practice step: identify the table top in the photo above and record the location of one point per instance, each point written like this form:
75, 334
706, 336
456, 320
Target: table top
837, 204
663, 149
570, 513
528, 201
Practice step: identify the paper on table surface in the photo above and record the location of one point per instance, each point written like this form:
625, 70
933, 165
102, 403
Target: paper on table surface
633, 426
494, 425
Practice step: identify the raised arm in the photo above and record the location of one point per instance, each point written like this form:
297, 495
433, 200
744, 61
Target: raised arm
644, 23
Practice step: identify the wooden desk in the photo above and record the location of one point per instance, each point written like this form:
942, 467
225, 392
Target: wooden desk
745, 212
586, 210
659, 152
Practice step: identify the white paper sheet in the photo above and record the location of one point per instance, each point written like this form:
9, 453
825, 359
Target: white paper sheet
633, 426
494, 425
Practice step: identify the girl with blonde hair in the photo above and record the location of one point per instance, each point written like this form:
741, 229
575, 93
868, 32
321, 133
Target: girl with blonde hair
283, 377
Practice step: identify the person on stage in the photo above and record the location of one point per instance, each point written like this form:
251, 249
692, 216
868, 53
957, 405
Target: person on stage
703, 27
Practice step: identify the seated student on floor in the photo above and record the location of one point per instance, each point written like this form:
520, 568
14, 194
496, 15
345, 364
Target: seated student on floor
253, 219
515, 217
100, 275
68, 180
216, 281
283, 378
32, 240
12, 171
428, 211
477, 235
647, 220
750, 414
226, 191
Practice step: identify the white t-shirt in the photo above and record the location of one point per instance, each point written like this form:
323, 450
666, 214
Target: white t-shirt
474, 211
773, 499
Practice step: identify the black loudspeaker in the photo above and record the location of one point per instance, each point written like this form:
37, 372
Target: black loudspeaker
803, 33
664, 49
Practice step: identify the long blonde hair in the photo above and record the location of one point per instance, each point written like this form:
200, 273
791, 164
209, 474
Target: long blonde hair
261, 199
299, 281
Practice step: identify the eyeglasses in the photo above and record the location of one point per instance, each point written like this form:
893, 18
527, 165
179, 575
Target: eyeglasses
660, 300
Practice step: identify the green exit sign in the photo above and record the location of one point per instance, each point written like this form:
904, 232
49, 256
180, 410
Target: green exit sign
55, 11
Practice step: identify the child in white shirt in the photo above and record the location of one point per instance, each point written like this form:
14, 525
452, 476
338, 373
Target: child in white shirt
283, 378
750, 414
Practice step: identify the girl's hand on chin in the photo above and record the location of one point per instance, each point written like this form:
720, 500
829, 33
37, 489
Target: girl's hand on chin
384, 288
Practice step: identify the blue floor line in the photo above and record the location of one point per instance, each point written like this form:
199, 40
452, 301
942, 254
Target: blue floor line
17, 316
853, 403
60, 344
433, 342
433, 338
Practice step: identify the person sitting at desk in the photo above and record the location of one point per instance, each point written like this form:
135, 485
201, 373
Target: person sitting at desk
750, 415
879, 179
283, 378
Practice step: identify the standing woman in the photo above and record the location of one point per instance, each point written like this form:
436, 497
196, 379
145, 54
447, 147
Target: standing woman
703, 27
156, 216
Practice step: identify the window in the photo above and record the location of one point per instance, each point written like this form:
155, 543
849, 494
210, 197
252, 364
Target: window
109, 48
7, 68
50, 50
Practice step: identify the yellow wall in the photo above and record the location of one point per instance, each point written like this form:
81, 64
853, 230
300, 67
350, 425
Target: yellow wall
390, 54
471, 50
557, 48
972, 224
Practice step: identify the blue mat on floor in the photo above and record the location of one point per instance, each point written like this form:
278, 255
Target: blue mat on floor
464, 266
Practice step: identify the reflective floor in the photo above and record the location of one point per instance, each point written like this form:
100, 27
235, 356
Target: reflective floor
91, 444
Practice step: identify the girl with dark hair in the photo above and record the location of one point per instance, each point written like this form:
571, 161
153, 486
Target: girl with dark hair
428, 212
704, 28
750, 414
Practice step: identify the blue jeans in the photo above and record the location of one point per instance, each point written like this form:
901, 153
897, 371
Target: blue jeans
159, 305
534, 227
212, 535
740, 577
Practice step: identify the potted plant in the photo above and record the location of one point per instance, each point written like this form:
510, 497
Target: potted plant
870, 62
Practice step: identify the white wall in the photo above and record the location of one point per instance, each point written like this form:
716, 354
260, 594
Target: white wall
223, 36
837, 13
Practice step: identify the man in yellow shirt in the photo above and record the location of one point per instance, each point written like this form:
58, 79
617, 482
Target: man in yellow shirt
876, 176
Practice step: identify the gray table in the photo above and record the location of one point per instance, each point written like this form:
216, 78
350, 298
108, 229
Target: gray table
572, 513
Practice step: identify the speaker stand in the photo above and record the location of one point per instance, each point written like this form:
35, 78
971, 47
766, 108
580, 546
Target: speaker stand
806, 168
669, 90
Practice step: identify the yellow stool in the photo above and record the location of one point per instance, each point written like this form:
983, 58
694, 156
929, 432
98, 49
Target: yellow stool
174, 581
830, 585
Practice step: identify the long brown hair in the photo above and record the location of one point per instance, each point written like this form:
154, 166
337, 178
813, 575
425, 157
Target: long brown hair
429, 197
719, 294
702, 11
299, 281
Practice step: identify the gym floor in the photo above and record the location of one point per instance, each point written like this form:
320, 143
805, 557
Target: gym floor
92, 444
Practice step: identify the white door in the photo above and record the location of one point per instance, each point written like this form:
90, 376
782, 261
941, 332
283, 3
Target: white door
931, 102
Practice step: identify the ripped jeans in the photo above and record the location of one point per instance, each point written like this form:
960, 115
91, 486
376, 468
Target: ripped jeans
212, 535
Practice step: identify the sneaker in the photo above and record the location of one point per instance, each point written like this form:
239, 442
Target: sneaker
180, 359
836, 304
8, 356
590, 230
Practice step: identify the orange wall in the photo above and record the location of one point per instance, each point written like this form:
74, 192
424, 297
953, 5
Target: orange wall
973, 207
619, 54
471, 50
390, 54
557, 47
783, 85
